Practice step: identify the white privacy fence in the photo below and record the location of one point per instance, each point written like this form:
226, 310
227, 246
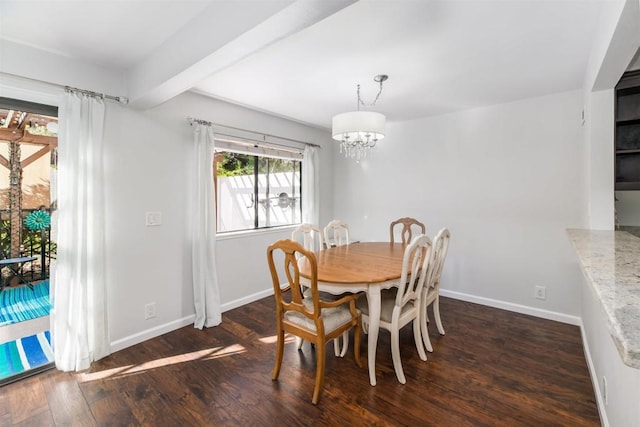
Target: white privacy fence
278, 202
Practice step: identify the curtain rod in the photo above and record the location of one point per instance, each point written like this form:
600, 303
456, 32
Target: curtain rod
256, 143
120, 99
192, 120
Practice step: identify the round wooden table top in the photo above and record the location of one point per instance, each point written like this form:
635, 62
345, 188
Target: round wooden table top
364, 262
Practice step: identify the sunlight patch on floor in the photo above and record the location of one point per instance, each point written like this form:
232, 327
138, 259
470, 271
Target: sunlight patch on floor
288, 339
207, 354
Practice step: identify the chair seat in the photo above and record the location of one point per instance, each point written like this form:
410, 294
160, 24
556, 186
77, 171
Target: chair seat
333, 317
387, 303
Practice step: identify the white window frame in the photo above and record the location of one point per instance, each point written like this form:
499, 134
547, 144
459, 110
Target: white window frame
260, 150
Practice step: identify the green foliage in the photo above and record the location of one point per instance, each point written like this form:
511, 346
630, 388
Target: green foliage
31, 240
234, 164
5, 238
40, 130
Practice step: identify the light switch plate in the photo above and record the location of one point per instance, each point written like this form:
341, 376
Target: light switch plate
153, 219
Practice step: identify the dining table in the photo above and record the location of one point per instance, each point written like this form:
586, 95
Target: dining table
367, 267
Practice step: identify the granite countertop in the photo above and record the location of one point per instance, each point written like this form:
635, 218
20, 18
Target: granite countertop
611, 261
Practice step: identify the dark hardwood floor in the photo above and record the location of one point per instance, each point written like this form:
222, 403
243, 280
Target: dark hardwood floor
492, 368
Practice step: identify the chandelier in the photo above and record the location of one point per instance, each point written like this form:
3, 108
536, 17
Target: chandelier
358, 131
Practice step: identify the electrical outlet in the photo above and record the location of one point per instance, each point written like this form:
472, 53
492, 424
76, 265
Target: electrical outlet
150, 310
153, 218
541, 292
605, 396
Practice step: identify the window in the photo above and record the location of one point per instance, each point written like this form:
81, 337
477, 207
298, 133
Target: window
256, 191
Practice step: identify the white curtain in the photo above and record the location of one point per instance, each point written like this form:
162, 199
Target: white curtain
206, 292
79, 301
310, 186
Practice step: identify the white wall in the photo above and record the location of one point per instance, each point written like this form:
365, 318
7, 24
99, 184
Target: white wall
147, 167
21, 60
601, 176
507, 180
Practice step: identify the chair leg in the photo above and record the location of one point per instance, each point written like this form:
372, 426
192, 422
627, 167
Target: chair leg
425, 338
395, 353
417, 337
279, 354
424, 330
436, 314
357, 335
341, 344
320, 359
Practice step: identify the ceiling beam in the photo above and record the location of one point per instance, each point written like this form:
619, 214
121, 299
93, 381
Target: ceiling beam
224, 34
617, 41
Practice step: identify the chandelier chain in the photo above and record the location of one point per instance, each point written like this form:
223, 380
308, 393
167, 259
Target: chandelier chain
361, 102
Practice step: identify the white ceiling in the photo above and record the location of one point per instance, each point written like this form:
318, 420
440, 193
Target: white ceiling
441, 56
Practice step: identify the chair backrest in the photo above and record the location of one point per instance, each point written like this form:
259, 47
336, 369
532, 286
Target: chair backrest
310, 236
440, 248
288, 254
336, 233
407, 232
418, 256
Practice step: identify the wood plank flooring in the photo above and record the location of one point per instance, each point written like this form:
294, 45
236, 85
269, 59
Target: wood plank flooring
493, 368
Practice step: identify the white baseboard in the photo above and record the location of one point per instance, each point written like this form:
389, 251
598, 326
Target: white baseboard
594, 380
185, 321
518, 308
156, 331
246, 300
151, 333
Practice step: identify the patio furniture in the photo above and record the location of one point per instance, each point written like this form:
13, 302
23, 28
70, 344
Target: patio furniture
15, 266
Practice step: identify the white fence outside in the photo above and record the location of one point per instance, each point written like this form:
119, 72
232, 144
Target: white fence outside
236, 204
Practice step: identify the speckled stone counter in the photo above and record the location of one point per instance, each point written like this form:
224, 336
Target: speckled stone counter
611, 261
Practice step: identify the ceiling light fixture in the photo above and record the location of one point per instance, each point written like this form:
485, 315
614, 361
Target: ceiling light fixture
358, 131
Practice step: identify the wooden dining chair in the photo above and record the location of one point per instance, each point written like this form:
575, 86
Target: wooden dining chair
403, 306
406, 233
336, 233
312, 319
310, 237
431, 289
